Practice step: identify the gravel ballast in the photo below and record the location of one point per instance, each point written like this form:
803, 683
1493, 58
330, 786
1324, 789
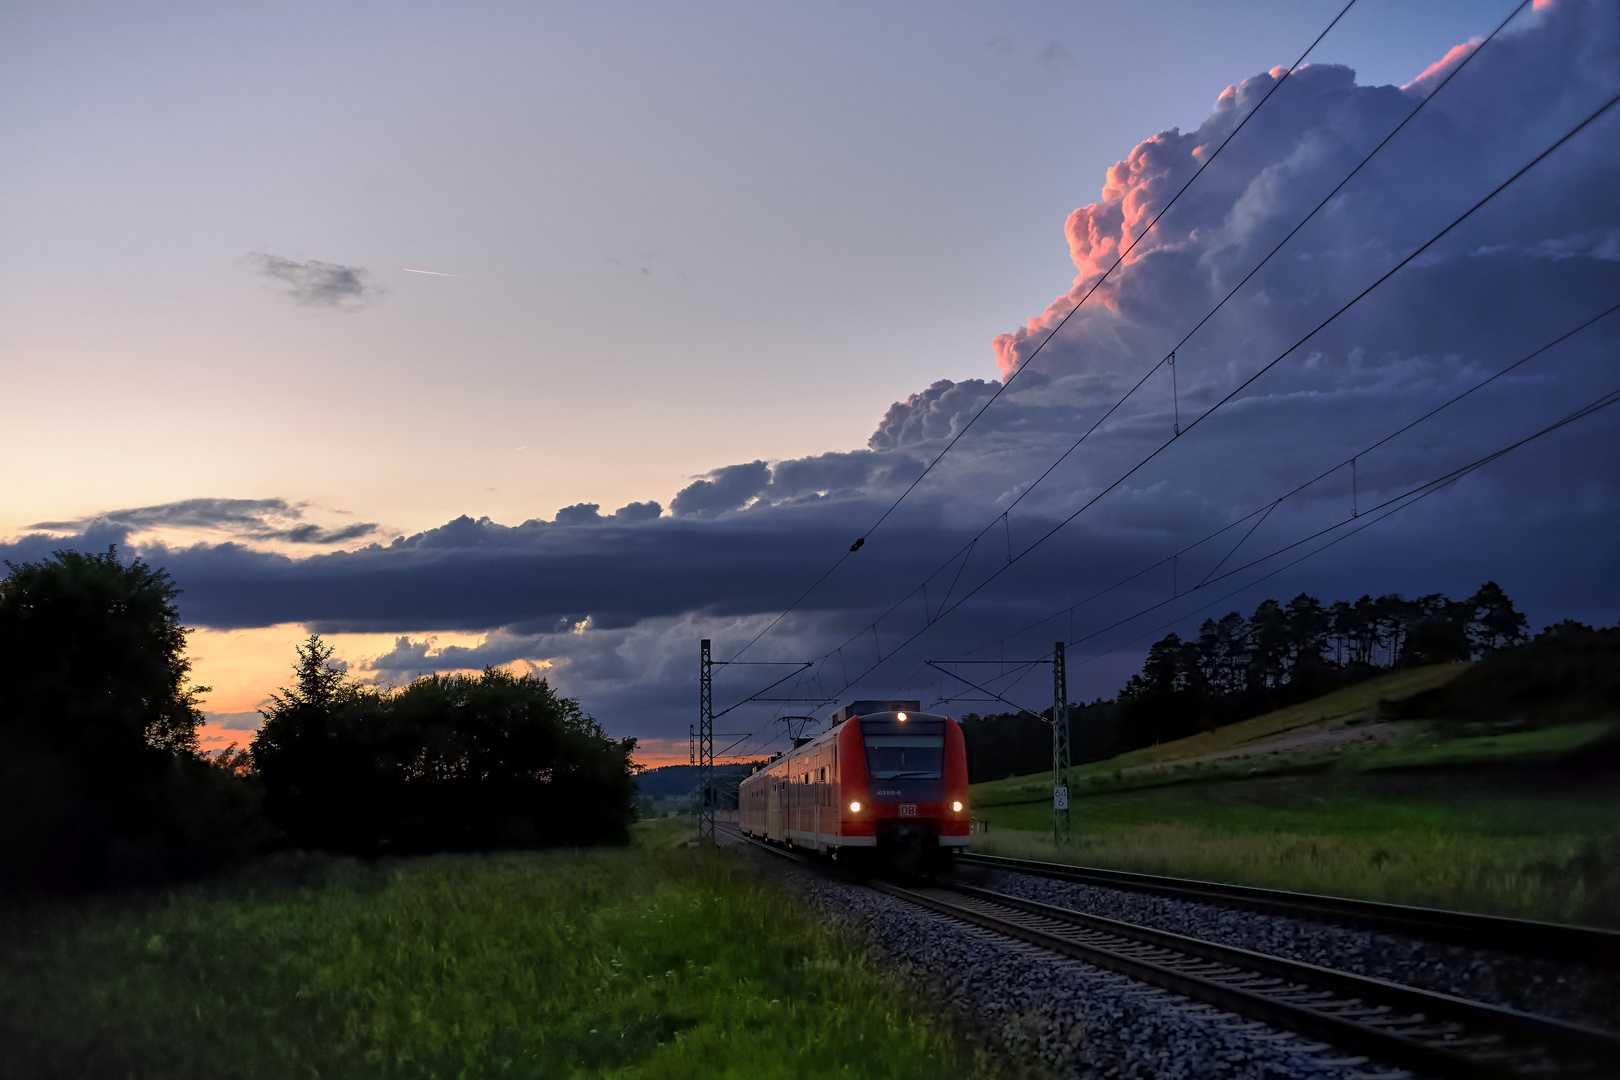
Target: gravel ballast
1033, 1008
1582, 995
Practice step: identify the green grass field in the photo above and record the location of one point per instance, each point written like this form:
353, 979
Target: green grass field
1353, 706
1327, 797
1470, 842
655, 961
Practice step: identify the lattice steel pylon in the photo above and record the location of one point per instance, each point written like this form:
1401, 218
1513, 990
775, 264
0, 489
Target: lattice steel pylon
706, 793
1060, 747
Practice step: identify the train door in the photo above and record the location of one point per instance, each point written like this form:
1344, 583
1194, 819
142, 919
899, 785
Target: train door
834, 800
815, 797
773, 807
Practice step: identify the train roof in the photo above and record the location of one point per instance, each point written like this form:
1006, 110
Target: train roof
862, 708
816, 743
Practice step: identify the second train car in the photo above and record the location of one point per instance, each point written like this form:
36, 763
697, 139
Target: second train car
885, 780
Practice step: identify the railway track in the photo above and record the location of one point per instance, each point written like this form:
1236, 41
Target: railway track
1428, 1033
1547, 941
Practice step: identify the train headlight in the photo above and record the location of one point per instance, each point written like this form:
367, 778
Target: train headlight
854, 807
900, 717
957, 807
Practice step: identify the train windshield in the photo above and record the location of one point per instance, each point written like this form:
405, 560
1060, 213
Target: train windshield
897, 757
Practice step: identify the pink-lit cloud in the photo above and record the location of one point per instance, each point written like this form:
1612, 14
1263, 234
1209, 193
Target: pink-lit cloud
1310, 132
1436, 72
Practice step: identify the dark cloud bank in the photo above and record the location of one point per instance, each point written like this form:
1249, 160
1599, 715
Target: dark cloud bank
618, 601
251, 519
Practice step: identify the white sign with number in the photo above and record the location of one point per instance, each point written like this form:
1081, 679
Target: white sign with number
1060, 798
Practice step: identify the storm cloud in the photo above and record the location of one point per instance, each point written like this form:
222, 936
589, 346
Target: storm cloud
1070, 537
723, 489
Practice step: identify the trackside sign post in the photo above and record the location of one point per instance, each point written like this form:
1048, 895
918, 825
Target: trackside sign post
1060, 747
1061, 753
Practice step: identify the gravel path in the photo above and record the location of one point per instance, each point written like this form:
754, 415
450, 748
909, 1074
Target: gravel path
1060, 1015
1583, 995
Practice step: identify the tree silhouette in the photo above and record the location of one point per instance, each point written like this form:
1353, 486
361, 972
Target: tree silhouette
446, 763
1495, 624
298, 752
1439, 631
1223, 654
1269, 646
1287, 652
99, 776
317, 683
92, 655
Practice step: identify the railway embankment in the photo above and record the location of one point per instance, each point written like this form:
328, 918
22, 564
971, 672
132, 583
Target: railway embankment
1355, 794
1048, 984
1040, 1014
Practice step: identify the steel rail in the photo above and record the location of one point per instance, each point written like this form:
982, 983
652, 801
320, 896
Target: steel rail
1433, 1033
1550, 941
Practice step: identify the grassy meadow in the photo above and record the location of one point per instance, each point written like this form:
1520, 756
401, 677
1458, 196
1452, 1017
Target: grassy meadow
1327, 796
654, 961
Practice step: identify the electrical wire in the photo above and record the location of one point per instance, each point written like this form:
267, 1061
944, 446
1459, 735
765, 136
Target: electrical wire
1410, 498
1026, 490
1013, 374
1389, 507
1571, 133
947, 607
1263, 511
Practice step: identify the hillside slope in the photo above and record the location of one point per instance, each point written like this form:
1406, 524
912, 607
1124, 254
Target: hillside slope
1322, 726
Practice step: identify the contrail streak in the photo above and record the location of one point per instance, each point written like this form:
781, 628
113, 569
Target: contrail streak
435, 273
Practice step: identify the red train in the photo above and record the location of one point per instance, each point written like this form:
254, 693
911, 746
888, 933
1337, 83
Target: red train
884, 780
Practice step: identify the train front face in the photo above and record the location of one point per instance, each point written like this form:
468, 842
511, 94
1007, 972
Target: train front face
905, 785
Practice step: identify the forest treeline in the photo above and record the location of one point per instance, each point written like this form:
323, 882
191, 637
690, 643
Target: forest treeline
1237, 667
102, 781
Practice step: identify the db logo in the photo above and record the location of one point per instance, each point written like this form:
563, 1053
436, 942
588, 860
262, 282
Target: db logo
908, 809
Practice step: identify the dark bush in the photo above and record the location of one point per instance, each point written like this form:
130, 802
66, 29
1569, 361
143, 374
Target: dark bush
448, 763
100, 782
1570, 672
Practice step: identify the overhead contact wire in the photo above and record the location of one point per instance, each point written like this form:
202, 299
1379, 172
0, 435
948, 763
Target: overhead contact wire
1013, 374
1390, 506
1179, 430
1263, 370
1265, 510
1410, 498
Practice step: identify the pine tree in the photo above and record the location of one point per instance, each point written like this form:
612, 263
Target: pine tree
1494, 623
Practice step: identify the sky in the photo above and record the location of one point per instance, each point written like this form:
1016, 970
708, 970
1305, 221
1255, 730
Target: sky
561, 337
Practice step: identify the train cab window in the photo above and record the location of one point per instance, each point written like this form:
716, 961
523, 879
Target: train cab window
905, 756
